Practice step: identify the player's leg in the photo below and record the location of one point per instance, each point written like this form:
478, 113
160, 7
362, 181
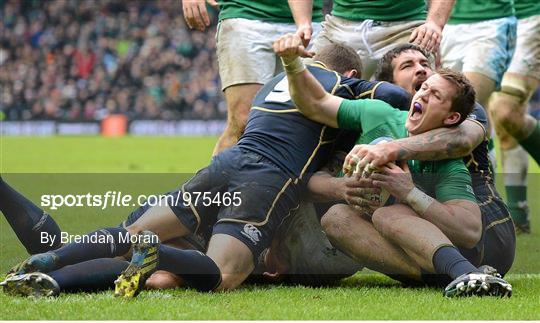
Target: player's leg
28, 221
401, 225
264, 192
92, 275
162, 279
268, 196
512, 123
233, 258
467, 48
178, 216
483, 86
520, 81
162, 221
103, 243
357, 237
246, 61
435, 253
238, 99
226, 265
301, 253
514, 126
88, 276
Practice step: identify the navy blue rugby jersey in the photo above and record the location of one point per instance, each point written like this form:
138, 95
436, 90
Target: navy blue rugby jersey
278, 131
478, 161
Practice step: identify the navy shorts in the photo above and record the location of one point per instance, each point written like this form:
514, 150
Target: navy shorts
498, 243
247, 197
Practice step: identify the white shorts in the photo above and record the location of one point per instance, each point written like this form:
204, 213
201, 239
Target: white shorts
371, 39
312, 258
526, 60
483, 47
244, 49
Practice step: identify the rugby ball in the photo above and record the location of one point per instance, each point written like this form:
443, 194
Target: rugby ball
383, 198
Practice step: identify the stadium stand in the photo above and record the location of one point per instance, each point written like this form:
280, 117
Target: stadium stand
69, 60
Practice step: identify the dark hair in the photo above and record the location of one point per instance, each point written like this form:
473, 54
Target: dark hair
385, 70
465, 98
340, 58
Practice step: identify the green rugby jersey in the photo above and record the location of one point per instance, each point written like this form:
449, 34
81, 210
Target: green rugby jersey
265, 10
470, 11
381, 10
527, 8
443, 180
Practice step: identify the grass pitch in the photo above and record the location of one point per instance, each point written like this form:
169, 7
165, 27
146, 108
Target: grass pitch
365, 296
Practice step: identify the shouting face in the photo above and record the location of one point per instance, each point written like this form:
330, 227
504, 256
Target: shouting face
410, 69
431, 106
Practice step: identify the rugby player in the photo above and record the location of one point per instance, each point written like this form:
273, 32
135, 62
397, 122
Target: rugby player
268, 168
408, 67
244, 40
518, 132
419, 235
479, 41
373, 28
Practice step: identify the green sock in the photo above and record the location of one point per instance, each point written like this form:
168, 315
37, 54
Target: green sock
491, 144
516, 197
532, 143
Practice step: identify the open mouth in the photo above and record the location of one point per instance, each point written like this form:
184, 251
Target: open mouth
418, 84
416, 112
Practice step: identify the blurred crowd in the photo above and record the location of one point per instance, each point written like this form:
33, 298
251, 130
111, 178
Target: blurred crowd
77, 60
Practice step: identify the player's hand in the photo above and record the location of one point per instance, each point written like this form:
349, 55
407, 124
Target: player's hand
195, 13
394, 179
356, 191
374, 155
427, 36
290, 46
275, 263
305, 32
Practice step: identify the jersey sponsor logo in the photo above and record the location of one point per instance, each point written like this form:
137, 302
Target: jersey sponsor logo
252, 233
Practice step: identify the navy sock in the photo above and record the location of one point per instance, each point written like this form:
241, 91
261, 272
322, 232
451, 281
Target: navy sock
196, 269
27, 220
104, 243
92, 275
448, 260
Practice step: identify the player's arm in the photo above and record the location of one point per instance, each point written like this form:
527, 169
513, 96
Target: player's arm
457, 216
307, 93
429, 34
324, 186
436, 144
302, 12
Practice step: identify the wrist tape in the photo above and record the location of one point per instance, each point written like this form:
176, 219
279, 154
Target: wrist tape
419, 201
294, 66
